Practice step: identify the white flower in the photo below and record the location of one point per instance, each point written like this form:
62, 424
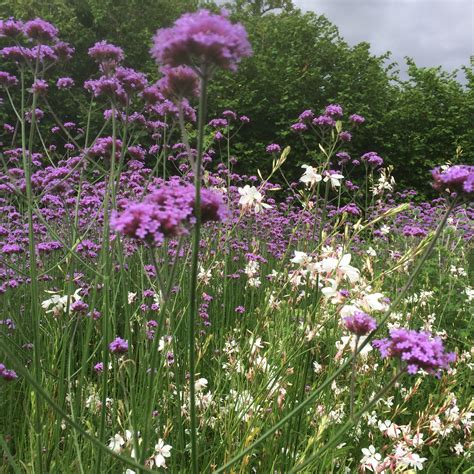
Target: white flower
385, 229
458, 449
372, 302
371, 459
200, 384
350, 341
131, 297
331, 292
301, 258
310, 176
250, 198
413, 460
57, 304
317, 367
342, 266
335, 179
371, 252
116, 443
162, 451
389, 429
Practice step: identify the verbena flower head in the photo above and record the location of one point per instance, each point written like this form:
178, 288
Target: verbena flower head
7, 80
7, 374
360, 323
11, 28
356, 119
419, 350
167, 212
64, 83
457, 179
40, 30
40, 87
372, 159
273, 148
201, 40
118, 346
334, 110
179, 82
106, 54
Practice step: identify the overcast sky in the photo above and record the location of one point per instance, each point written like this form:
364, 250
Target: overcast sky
432, 32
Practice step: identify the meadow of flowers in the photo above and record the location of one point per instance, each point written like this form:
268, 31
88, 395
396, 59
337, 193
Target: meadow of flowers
161, 309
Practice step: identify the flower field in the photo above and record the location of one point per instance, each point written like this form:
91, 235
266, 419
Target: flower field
162, 309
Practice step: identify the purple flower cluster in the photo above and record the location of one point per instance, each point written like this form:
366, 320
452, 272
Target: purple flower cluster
106, 54
273, 148
360, 323
178, 82
7, 80
457, 179
167, 212
118, 346
7, 374
40, 30
418, 350
64, 83
372, 159
202, 39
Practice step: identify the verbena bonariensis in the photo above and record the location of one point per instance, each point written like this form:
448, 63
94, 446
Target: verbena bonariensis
292, 283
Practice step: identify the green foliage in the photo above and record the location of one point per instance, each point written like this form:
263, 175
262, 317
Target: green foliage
300, 61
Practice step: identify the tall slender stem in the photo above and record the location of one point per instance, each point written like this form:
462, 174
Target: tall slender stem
193, 304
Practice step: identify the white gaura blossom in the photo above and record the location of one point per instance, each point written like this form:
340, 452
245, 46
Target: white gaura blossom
162, 451
252, 199
341, 265
334, 179
371, 459
310, 176
301, 258
200, 384
58, 304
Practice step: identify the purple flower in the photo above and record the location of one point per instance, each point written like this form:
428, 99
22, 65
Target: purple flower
418, 350
39, 114
167, 212
360, 323
457, 179
356, 119
372, 159
8, 375
40, 30
244, 119
239, 309
306, 116
299, 127
201, 39
118, 346
345, 136
333, 110
11, 28
63, 50
39, 87
344, 157
99, 367
324, 120
79, 307
273, 148
7, 80
107, 55
64, 83
179, 82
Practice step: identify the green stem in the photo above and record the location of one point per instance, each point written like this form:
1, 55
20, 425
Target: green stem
193, 303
